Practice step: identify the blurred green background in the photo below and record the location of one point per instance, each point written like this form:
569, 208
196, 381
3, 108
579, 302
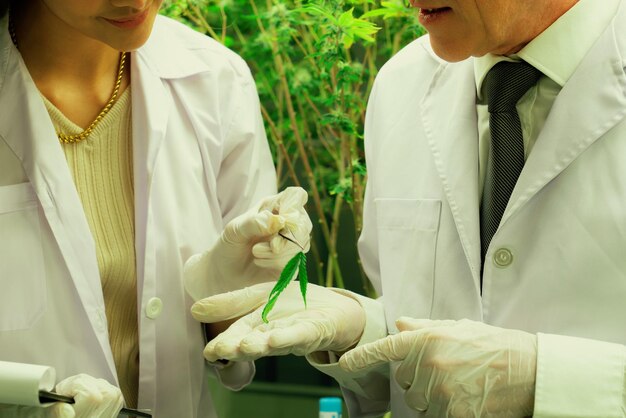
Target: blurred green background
314, 63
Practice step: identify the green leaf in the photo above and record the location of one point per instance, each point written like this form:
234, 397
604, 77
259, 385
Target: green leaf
303, 277
317, 9
288, 273
346, 18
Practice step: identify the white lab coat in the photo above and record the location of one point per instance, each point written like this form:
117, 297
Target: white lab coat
565, 225
200, 159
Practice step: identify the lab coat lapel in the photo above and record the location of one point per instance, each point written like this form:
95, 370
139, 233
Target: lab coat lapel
29, 133
150, 108
161, 60
579, 116
449, 118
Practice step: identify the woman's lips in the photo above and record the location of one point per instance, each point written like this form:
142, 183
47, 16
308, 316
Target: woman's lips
130, 21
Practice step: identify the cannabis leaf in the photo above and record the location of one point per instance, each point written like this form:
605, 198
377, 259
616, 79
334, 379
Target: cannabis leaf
294, 268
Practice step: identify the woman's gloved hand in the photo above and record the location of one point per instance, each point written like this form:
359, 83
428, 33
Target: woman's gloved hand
53, 410
457, 368
251, 249
331, 321
95, 398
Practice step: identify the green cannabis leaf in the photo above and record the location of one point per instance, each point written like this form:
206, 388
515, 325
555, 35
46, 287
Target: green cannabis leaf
294, 268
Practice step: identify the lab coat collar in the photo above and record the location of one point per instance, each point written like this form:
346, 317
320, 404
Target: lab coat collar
168, 56
450, 126
591, 103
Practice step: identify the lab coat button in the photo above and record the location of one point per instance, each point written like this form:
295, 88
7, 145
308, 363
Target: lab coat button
100, 321
503, 257
154, 308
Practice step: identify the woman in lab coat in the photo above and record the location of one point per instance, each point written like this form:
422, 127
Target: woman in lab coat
104, 196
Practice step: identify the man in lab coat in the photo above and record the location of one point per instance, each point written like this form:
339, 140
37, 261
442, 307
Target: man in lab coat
532, 323
102, 202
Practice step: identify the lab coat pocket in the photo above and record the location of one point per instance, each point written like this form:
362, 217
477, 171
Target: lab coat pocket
407, 231
22, 274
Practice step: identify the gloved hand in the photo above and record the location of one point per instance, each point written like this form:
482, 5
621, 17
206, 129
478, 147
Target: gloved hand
457, 368
330, 322
53, 410
250, 249
95, 398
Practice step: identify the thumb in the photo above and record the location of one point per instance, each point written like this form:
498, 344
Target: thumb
404, 323
392, 348
291, 198
232, 304
253, 226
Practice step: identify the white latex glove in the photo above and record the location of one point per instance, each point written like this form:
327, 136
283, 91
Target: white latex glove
250, 249
95, 398
457, 368
330, 322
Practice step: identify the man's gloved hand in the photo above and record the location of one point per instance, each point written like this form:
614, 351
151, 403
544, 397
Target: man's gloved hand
331, 321
457, 368
250, 249
95, 398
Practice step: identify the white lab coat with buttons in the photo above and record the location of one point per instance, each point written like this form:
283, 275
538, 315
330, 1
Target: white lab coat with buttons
200, 159
557, 263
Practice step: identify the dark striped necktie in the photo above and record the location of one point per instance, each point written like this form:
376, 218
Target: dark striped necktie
505, 84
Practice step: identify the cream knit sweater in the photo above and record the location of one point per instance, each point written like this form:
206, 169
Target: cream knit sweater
102, 168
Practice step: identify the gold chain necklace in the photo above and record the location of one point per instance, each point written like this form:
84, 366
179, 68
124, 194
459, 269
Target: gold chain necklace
71, 139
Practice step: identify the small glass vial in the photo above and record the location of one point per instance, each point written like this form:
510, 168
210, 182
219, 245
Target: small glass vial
330, 407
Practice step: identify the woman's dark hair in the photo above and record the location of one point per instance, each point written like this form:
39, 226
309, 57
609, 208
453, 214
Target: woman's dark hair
4, 7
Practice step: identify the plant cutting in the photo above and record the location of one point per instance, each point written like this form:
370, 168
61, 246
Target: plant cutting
295, 268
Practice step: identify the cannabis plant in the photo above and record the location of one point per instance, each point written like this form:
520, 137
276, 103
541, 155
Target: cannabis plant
314, 64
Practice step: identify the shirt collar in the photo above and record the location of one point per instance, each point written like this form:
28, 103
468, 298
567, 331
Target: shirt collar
559, 49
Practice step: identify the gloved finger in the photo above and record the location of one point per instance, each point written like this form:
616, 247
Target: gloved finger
424, 373
291, 197
392, 348
411, 368
268, 253
94, 397
231, 304
256, 345
420, 403
223, 348
82, 389
285, 336
113, 400
286, 240
417, 383
290, 204
298, 227
253, 227
404, 323
292, 334
250, 347
51, 410
59, 410
226, 345
304, 335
